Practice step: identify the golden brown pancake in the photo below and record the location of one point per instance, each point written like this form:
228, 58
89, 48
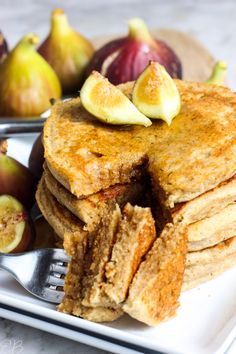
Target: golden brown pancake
205, 205
206, 264
70, 228
191, 156
208, 231
155, 289
93, 207
72, 302
135, 236
61, 219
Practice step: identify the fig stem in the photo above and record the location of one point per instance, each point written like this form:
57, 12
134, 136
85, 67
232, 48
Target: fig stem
59, 22
218, 74
28, 41
138, 30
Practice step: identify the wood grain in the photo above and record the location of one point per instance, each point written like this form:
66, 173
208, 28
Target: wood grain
197, 62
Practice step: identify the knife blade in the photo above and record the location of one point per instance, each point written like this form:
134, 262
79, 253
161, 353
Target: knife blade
16, 127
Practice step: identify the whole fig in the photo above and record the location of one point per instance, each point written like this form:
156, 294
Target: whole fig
36, 158
27, 82
67, 51
123, 59
3, 47
218, 75
16, 180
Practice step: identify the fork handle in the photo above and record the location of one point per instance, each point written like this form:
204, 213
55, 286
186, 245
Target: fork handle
9, 262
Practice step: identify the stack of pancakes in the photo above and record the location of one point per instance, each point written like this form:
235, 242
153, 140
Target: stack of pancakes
93, 193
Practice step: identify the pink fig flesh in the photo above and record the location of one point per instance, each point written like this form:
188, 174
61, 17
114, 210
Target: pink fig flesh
16, 229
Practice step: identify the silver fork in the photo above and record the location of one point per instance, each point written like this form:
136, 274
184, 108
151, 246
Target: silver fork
41, 272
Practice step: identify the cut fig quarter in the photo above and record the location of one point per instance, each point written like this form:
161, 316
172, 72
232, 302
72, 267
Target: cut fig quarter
16, 229
155, 93
107, 103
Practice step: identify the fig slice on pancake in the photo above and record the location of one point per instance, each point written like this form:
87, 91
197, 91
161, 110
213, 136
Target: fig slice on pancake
155, 93
107, 103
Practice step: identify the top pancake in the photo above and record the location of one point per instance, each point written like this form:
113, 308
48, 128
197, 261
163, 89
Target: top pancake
192, 156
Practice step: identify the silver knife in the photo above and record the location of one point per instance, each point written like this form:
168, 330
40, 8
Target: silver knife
20, 127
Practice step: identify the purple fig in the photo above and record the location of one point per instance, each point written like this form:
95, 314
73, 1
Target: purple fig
124, 59
3, 47
16, 180
36, 158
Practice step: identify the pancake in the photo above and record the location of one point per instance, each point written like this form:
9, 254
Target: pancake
72, 301
213, 230
135, 236
67, 226
92, 208
96, 258
155, 289
205, 205
205, 265
60, 219
200, 265
86, 156
208, 231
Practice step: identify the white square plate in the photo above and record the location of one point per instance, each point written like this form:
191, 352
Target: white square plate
205, 322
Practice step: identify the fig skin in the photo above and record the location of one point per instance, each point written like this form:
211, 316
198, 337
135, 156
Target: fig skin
17, 215
3, 47
123, 59
27, 82
67, 51
36, 158
16, 180
218, 75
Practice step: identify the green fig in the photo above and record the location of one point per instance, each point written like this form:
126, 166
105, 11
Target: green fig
218, 74
27, 82
67, 51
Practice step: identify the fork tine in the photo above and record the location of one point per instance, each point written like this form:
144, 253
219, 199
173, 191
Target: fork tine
54, 296
51, 280
58, 269
60, 255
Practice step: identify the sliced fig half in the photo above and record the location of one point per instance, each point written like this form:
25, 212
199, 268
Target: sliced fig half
16, 229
